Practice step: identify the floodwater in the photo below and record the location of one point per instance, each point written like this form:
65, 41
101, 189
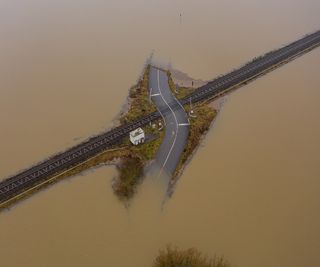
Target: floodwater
251, 192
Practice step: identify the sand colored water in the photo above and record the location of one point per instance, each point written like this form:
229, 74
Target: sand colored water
250, 193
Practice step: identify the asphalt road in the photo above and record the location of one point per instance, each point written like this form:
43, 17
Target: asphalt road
175, 119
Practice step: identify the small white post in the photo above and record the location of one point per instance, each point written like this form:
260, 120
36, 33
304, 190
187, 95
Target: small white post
150, 93
191, 112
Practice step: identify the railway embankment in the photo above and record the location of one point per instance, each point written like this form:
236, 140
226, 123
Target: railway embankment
129, 160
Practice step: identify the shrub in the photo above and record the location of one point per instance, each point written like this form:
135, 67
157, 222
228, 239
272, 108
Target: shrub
173, 257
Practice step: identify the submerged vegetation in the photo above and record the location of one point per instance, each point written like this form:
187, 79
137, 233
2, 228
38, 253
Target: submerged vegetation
130, 171
173, 257
133, 162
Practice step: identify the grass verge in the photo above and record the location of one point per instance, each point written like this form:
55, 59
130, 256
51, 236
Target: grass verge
198, 127
139, 102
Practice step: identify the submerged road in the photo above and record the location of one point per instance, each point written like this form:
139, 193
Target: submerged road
175, 119
43, 172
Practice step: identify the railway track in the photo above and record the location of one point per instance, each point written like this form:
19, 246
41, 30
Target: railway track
253, 69
42, 172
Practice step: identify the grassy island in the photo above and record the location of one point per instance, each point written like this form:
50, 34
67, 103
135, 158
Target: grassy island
174, 257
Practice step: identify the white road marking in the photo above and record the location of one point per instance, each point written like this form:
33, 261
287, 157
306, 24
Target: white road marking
164, 121
177, 128
180, 105
155, 95
184, 124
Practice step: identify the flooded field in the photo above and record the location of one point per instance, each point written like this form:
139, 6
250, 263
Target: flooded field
251, 192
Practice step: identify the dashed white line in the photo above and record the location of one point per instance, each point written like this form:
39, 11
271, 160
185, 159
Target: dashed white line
180, 105
164, 121
177, 128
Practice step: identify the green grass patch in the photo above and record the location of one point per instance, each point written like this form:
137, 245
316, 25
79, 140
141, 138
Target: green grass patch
148, 150
131, 168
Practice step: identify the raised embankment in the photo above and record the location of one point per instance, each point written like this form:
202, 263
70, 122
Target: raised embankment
45, 171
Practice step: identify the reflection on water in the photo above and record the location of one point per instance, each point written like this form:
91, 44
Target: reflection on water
252, 190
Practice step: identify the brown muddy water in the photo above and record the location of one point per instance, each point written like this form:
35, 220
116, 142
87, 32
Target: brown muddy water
252, 190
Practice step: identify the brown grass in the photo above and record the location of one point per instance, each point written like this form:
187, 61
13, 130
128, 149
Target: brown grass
131, 168
139, 100
180, 92
173, 257
198, 127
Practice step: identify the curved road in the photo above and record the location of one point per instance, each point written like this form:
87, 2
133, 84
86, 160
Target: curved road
175, 119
